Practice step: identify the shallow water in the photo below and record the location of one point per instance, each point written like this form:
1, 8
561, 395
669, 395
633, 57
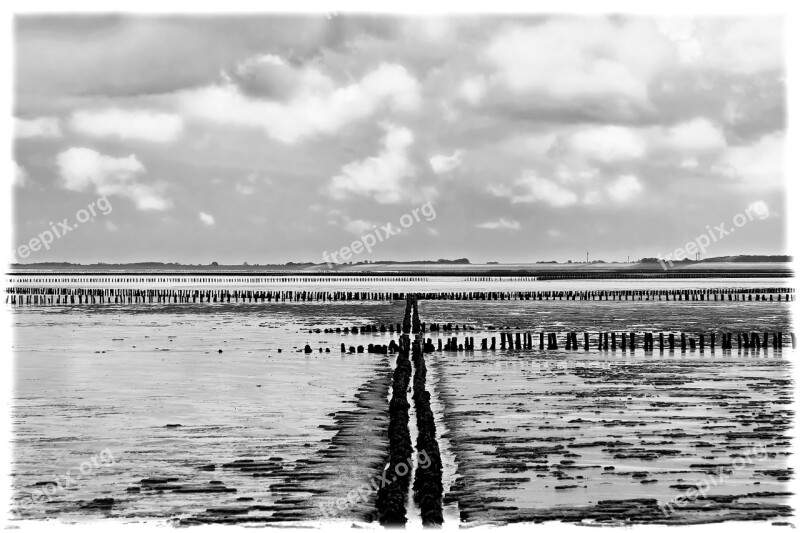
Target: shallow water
91, 378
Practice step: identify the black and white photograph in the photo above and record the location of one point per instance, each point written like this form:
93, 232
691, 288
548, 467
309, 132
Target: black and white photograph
400, 266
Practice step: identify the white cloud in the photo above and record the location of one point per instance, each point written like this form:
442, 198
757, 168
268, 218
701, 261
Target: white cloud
607, 144
570, 59
358, 226
744, 45
252, 63
441, 164
567, 174
612, 144
498, 189
381, 176
41, 127
82, 168
531, 189
760, 164
690, 162
206, 219
680, 31
624, 188
312, 110
20, 175
473, 89
245, 190
128, 124
502, 223
536, 189
694, 136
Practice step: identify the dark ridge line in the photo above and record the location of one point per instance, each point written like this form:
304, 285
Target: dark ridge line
428, 486
391, 499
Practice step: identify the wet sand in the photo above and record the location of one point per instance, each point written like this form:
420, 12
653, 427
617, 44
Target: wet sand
253, 435
197, 435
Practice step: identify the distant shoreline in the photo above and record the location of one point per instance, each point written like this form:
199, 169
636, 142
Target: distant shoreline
541, 270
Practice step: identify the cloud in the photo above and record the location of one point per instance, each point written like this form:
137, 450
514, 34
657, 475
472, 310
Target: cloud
271, 76
473, 89
624, 188
128, 124
41, 127
760, 164
695, 136
614, 144
82, 168
606, 144
206, 219
442, 164
744, 46
500, 190
502, 223
358, 226
380, 176
580, 59
531, 189
245, 190
690, 162
20, 175
317, 109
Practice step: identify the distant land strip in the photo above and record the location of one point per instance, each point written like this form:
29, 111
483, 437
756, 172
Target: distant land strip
765, 266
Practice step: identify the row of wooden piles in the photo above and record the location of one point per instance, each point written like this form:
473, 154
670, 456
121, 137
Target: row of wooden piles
50, 296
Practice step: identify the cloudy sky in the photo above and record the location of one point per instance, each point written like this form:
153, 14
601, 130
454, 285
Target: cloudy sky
276, 138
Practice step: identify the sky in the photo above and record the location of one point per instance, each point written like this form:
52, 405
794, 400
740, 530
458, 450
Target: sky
268, 139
